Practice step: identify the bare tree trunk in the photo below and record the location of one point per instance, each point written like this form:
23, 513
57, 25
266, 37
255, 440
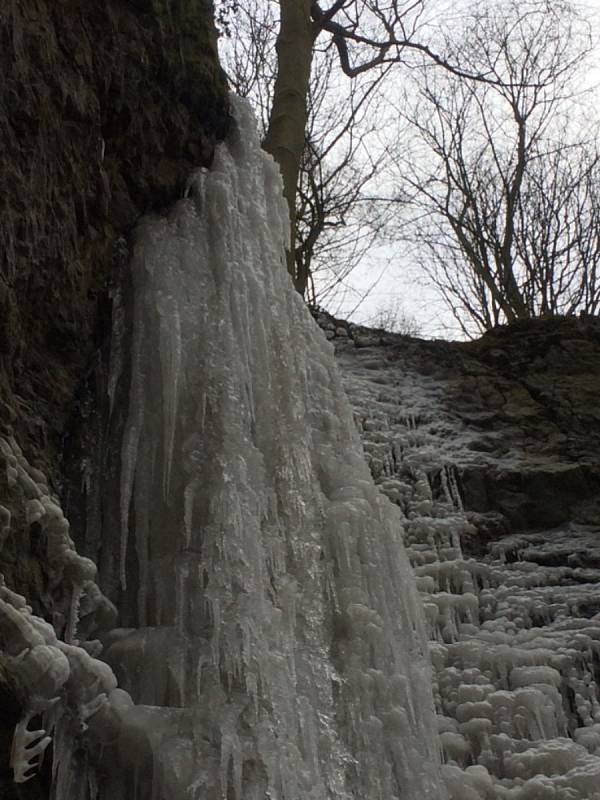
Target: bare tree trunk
512, 294
287, 123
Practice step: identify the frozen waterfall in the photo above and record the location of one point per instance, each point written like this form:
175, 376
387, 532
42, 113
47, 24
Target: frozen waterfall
514, 629
280, 649
276, 646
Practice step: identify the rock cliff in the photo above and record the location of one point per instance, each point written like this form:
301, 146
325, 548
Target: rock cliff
515, 411
105, 108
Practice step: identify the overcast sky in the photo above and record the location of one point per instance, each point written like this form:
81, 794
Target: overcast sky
397, 284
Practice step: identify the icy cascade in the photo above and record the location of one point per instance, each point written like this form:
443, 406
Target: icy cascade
515, 644
281, 650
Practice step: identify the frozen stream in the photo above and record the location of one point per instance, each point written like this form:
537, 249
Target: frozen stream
275, 646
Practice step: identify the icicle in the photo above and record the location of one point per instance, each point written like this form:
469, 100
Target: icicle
170, 356
128, 465
28, 748
73, 620
5, 517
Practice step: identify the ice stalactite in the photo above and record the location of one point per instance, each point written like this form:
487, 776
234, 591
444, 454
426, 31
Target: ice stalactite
56, 683
281, 651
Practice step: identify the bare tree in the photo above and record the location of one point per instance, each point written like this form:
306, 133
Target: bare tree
367, 35
505, 204
393, 318
336, 223
248, 54
558, 246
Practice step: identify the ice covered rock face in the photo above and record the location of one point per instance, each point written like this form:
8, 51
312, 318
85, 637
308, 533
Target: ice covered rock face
48, 670
515, 642
281, 648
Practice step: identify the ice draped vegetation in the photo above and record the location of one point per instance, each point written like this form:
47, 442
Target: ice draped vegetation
281, 649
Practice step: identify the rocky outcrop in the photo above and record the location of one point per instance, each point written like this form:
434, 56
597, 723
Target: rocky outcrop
515, 412
106, 107
490, 449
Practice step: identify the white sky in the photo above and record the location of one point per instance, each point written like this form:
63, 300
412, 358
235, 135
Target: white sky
400, 286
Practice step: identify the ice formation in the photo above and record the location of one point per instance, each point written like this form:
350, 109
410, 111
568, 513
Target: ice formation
280, 644
280, 650
515, 644
54, 679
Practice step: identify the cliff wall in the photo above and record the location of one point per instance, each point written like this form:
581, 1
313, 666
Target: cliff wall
105, 108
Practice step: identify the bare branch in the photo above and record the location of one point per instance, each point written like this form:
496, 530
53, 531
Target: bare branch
512, 223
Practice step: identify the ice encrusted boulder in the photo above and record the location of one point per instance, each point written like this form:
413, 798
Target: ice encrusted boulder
51, 683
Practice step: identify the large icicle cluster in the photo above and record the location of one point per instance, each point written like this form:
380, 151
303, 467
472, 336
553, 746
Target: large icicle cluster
280, 633
57, 680
515, 644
